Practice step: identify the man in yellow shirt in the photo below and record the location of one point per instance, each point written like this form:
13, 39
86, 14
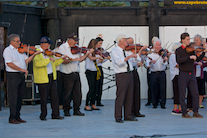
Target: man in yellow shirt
44, 69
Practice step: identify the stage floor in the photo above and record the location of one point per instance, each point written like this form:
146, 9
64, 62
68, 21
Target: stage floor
101, 124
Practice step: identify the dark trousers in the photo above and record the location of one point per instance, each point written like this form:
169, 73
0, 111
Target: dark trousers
46, 90
188, 80
176, 90
124, 95
158, 82
136, 93
16, 88
205, 79
99, 86
201, 85
72, 85
60, 87
148, 83
92, 83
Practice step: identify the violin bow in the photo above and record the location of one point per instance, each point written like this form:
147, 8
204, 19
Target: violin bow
81, 47
135, 46
107, 46
165, 51
111, 46
165, 44
27, 60
58, 40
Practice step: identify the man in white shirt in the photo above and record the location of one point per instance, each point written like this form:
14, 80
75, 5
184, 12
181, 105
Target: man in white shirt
136, 91
16, 68
150, 49
123, 67
70, 72
158, 76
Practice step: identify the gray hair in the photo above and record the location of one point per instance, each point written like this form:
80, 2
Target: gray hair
12, 37
154, 38
157, 40
198, 36
175, 46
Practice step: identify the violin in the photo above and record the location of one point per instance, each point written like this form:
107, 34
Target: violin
198, 55
76, 50
24, 48
163, 53
193, 47
132, 47
102, 52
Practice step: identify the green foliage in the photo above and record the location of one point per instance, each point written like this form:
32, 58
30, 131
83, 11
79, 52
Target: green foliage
92, 4
145, 4
21, 3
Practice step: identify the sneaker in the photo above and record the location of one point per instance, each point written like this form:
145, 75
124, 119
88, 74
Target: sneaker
201, 106
176, 112
197, 115
186, 116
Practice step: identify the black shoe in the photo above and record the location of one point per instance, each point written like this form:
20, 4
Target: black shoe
57, 117
66, 114
163, 107
99, 104
88, 109
95, 108
154, 106
78, 113
131, 119
14, 121
119, 121
147, 104
21, 121
140, 115
43, 118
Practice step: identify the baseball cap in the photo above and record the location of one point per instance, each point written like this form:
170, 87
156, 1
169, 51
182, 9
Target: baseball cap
120, 36
73, 36
46, 39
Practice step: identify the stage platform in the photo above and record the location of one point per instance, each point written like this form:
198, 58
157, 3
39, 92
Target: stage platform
101, 124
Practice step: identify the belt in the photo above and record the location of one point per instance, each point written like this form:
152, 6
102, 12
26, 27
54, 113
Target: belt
74, 72
50, 75
157, 71
15, 72
125, 72
135, 68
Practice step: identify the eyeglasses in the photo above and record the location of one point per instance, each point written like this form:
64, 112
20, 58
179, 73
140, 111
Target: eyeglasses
17, 41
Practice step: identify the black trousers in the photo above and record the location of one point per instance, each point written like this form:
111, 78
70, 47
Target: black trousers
92, 83
99, 86
60, 87
158, 82
124, 95
46, 90
71, 85
201, 89
205, 79
148, 83
185, 80
136, 93
176, 90
16, 88
201, 85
